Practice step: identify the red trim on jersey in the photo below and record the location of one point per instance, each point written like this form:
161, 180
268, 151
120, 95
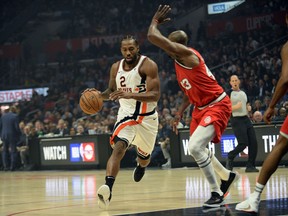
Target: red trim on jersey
129, 123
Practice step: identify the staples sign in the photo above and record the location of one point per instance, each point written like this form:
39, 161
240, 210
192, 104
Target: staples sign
15, 95
11, 96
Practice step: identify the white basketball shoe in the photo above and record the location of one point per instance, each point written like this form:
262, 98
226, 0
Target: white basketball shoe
104, 196
249, 205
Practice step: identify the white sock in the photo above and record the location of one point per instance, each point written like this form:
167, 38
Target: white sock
206, 167
258, 190
218, 167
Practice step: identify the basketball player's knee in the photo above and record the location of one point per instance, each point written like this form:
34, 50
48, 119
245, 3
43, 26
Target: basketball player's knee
120, 148
194, 149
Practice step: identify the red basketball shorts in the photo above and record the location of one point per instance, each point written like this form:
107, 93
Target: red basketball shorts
217, 114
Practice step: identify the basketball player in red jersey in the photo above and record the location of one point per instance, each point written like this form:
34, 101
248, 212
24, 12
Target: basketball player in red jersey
212, 107
281, 148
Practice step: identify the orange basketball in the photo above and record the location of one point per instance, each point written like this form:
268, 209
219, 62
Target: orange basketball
91, 102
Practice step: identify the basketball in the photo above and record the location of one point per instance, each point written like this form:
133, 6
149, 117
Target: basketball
91, 102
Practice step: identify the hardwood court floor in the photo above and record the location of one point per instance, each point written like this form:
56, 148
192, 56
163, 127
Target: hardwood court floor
161, 192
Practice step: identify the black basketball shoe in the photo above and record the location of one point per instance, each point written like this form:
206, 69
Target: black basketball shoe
138, 173
215, 201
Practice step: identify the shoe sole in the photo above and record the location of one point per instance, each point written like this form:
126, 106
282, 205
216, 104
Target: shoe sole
237, 177
218, 205
216, 209
103, 197
248, 210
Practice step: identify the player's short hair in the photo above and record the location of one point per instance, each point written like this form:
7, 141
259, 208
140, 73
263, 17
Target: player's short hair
130, 37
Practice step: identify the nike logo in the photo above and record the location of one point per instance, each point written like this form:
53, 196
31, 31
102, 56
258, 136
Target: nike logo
154, 118
246, 209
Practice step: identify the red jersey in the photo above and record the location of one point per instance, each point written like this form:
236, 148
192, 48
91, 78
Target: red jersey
198, 83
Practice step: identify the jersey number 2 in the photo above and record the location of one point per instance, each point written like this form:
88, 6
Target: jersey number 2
122, 81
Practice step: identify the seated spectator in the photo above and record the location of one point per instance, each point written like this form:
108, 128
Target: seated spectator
164, 104
80, 130
282, 113
257, 106
23, 146
157, 158
165, 147
22, 125
90, 128
72, 131
266, 103
249, 110
257, 117
166, 113
187, 122
97, 128
165, 144
39, 128
61, 130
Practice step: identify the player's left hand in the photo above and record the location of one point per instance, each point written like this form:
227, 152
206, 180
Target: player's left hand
161, 14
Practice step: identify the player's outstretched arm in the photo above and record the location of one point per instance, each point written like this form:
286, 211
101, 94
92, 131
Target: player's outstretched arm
173, 49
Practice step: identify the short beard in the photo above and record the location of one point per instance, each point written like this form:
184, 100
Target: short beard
132, 61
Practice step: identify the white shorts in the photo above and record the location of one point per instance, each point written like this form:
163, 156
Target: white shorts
140, 132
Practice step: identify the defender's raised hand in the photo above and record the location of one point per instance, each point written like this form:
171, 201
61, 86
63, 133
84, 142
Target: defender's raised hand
161, 14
